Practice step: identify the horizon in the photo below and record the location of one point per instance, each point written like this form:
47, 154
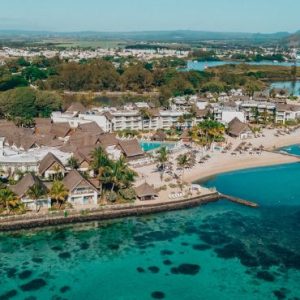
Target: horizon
147, 31
238, 16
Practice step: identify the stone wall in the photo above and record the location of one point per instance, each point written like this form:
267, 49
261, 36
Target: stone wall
36, 221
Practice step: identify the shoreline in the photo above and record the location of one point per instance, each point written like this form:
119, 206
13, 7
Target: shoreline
42, 222
219, 163
223, 163
241, 165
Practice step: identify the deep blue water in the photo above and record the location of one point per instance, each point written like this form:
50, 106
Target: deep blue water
217, 251
201, 65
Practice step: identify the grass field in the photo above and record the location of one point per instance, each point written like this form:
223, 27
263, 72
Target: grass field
73, 43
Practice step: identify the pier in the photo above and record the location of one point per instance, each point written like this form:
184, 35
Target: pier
239, 200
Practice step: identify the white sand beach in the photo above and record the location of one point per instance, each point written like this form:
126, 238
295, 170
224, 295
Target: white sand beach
224, 162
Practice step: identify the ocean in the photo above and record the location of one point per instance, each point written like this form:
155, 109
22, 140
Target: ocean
217, 251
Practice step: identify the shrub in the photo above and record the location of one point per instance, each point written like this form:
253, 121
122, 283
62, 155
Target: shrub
128, 194
111, 197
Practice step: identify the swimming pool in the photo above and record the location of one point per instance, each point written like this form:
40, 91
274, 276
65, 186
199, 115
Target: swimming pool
150, 146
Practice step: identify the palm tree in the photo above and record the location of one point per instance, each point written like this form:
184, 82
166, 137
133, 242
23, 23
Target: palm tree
183, 161
58, 192
162, 158
9, 200
146, 115
100, 165
119, 175
181, 121
73, 163
209, 131
256, 114
36, 192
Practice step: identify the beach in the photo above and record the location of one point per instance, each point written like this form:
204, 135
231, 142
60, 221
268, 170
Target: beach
225, 162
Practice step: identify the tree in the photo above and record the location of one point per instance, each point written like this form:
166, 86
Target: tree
208, 131
255, 113
19, 102
32, 74
137, 78
100, 165
36, 192
46, 102
28, 103
58, 192
181, 121
162, 158
9, 200
119, 174
183, 161
73, 163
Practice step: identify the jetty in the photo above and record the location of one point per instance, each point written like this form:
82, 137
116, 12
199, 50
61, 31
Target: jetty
239, 200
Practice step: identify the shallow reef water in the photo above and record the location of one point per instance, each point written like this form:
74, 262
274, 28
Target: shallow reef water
217, 251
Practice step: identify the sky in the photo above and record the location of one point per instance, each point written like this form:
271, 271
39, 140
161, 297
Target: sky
140, 15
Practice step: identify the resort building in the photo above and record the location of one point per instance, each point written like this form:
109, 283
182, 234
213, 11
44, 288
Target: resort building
287, 112
51, 167
22, 188
226, 114
146, 192
256, 110
81, 190
238, 129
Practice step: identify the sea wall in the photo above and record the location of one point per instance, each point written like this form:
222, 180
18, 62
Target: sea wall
71, 217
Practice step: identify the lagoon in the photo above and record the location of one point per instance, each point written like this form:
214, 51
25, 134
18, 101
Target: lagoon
292, 87
202, 65
217, 251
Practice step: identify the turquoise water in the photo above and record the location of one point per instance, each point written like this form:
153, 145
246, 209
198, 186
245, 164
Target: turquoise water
293, 149
292, 87
149, 146
217, 251
201, 65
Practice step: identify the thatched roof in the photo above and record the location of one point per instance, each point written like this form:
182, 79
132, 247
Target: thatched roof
24, 141
201, 113
60, 129
80, 139
145, 190
76, 107
131, 148
22, 187
75, 179
159, 136
47, 162
92, 127
236, 127
108, 139
287, 107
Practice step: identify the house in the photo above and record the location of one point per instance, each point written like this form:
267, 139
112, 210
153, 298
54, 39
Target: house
75, 109
91, 127
42, 126
84, 157
23, 186
131, 149
51, 167
61, 130
145, 192
236, 128
287, 112
185, 136
159, 135
81, 190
